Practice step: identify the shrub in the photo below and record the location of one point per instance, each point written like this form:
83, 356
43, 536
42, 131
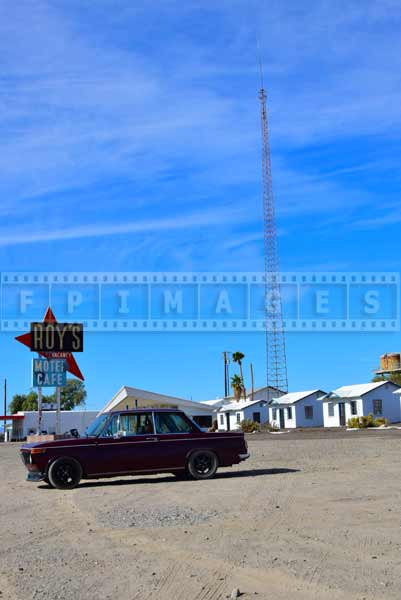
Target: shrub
381, 421
364, 422
268, 427
249, 426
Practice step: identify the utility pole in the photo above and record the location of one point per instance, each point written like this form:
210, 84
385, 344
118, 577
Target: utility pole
276, 361
252, 381
226, 372
5, 408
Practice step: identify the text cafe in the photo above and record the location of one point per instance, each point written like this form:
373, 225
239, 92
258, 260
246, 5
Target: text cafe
48, 373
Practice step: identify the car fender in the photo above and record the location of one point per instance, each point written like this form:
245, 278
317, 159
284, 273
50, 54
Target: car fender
54, 458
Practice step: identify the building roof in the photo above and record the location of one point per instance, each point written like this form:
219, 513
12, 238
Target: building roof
355, 391
239, 405
153, 399
214, 403
228, 399
264, 387
293, 397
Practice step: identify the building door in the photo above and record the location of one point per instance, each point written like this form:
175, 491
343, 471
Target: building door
282, 422
341, 411
228, 421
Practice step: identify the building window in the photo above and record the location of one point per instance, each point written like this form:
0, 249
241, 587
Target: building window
256, 417
331, 409
221, 419
377, 407
274, 414
354, 410
308, 412
238, 417
289, 413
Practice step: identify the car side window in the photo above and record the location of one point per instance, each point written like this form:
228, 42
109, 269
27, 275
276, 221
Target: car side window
130, 424
171, 423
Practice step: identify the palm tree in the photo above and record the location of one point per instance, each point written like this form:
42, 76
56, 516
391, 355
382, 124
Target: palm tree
236, 384
238, 358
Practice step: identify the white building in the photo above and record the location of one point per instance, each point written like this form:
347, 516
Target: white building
254, 408
230, 415
359, 400
128, 397
69, 419
297, 409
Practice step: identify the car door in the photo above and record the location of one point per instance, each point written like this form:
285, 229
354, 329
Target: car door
175, 435
128, 444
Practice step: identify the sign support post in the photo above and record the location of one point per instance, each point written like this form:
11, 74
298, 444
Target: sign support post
39, 410
58, 397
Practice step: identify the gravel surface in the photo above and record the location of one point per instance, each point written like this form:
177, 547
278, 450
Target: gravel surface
169, 516
305, 517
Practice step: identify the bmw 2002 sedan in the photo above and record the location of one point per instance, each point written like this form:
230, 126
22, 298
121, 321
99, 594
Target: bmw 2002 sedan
134, 442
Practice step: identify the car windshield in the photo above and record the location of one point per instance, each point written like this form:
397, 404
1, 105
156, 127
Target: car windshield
96, 427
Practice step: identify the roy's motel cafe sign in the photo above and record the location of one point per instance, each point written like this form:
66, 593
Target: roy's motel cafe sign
55, 342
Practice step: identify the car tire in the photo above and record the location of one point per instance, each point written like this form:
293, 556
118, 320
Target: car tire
202, 464
64, 473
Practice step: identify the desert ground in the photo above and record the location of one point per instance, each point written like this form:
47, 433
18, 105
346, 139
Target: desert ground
308, 516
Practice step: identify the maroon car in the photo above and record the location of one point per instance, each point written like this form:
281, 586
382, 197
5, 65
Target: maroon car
134, 442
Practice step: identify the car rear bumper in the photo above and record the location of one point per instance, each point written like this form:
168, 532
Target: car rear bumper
244, 456
35, 476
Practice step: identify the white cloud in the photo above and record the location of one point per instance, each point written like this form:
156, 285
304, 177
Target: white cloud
209, 218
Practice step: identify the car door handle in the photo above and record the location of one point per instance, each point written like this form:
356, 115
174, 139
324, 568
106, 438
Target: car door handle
151, 439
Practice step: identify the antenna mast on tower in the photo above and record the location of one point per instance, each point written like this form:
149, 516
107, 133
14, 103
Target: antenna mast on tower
275, 338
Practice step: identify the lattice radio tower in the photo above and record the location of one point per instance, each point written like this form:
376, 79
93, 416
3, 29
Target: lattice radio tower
275, 338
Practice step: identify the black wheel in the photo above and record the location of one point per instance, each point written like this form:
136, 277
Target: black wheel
202, 464
64, 473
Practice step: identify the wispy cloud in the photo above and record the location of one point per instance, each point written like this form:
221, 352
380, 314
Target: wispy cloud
169, 224
152, 110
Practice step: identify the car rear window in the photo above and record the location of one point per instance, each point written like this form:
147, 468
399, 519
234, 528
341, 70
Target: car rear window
171, 423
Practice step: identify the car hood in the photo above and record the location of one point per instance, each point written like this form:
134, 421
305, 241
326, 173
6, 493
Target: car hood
62, 442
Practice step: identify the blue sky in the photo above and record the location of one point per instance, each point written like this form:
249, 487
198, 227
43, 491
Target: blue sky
131, 141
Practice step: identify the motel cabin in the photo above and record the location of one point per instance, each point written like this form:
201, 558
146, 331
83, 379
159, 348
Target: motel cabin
297, 409
254, 408
380, 398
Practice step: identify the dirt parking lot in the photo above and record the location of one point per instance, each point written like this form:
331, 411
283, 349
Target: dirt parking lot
306, 517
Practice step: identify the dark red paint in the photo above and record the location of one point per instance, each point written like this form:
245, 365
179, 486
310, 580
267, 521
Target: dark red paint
135, 454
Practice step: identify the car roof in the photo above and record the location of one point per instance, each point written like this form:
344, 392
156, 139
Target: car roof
144, 410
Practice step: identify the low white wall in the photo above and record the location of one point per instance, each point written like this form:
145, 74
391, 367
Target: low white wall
69, 419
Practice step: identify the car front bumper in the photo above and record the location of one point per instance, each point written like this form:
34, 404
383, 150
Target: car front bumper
244, 456
35, 476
